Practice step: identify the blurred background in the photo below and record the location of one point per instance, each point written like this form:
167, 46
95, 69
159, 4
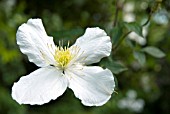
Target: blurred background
143, 79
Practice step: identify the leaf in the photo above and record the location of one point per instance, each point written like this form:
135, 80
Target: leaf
130, 43
135, 27
154, 51
115, 66
140, 57
116, 34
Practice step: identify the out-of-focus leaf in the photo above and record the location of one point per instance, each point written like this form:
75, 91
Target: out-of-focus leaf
135, 27
130, 43
154, 51
115, 66
116, 33
140, 57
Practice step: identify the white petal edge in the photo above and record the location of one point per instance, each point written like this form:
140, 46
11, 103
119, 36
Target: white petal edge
93, 45
92, 85
34, 42
40, 86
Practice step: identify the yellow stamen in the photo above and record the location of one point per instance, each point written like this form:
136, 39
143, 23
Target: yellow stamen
63, 55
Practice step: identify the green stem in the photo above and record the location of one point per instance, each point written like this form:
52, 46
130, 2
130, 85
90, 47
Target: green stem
121, 40
148, 20
116, 13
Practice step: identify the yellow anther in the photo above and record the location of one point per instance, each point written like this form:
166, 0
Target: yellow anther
63, 56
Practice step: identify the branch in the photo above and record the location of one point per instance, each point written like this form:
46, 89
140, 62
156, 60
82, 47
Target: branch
116, 13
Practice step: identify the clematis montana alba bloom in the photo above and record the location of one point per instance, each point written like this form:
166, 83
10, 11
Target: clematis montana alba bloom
62, 67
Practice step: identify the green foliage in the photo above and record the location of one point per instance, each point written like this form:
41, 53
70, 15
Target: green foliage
135, 27
116, 34
154, 51
140, 57
115, 66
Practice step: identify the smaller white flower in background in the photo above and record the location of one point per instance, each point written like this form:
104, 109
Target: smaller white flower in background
131, 102
63, 67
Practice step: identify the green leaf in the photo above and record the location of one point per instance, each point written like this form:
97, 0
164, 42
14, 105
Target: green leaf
154, 51
116, 34
130, 43
140, 57
115, 66
135, 27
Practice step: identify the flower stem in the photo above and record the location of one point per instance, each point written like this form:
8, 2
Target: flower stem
116, 13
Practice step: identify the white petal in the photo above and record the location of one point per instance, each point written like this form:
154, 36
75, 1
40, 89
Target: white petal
93, 85
94, 45
34, 42
40, 86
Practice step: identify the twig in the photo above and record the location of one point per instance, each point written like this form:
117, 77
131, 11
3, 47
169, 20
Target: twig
149, 18
116, 13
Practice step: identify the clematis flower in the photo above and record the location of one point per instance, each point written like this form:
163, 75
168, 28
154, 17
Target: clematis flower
62, 67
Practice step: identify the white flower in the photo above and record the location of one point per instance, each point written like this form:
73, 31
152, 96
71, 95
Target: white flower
131, 102
63, 67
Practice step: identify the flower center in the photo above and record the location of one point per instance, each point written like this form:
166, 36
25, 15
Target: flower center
63, 56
